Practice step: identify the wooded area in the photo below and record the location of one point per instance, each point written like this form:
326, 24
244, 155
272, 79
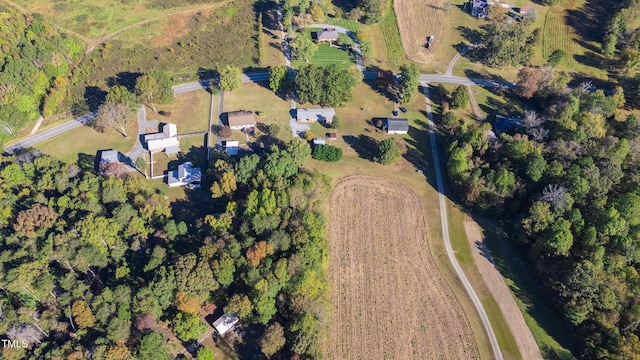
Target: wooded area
96, 265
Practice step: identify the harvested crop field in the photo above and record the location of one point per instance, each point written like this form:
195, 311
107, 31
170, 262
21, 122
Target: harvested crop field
418, 19
389, 299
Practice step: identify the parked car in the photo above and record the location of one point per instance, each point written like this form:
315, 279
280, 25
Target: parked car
395, 113
403, 109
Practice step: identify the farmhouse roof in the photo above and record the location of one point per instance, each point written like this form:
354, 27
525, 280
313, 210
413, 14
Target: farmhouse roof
328, 34
395, 124
319, 113
108, 156
225, 323
241, 118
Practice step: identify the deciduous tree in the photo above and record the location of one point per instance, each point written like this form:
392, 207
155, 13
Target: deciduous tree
230, 78
273, 340
115, 116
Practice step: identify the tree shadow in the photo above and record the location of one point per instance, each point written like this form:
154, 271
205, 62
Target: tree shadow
345, 5
94, 97
365, 146
126, 78
474, 36
382, 86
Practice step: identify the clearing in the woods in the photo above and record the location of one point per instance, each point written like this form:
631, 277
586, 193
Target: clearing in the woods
389, 299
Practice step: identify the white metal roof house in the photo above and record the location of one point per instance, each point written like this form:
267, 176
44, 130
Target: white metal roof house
165, 140
321, 115
225, 323
397, 126
185, 175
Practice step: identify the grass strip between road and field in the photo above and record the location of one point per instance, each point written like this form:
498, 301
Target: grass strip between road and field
389, 25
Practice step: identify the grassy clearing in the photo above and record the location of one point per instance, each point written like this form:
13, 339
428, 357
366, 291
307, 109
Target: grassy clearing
356, 116
70, 146
257, 97
379, 53
348, 24
557, 35
189, 111
389, 25
329, 54
95, 18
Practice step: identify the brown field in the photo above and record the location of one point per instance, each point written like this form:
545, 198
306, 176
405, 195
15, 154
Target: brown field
389, 299
418, 19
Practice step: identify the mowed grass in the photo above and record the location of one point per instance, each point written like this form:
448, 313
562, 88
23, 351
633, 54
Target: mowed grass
356, 117
86, 140
557, 35
329, 54
257, 97
94, 18
348, 24
189, 111
389, 26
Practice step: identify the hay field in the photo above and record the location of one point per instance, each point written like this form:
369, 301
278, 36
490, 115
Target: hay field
389, 299
418, 19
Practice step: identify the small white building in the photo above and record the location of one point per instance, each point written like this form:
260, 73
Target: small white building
319, 141
165, 140
225, 323
185, 175
231, 147
320, 115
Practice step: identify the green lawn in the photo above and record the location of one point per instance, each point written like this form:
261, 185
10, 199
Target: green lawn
345, 23
257, 97
329, 54
368, 105
87, 141
189, 111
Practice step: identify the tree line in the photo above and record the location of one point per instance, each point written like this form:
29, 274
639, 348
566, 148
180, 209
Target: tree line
565, 178
100, 265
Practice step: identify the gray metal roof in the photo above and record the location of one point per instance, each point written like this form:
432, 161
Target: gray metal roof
319, 113
328, 34
395, 124
109, 156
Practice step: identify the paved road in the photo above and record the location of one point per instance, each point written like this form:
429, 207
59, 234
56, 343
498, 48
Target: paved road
47, 134
447, 240
143, 124
450, 79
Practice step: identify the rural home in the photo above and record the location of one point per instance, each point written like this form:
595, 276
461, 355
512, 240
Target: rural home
109, 156
225, 323
320, 115
504, 123
397, 126
166, 140
185, 175
231, 147
327, 35
238, 120
110, 161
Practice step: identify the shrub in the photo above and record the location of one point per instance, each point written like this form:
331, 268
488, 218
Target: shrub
555, 57
335, 123
273, 129
308, 135
225, 132
327, 153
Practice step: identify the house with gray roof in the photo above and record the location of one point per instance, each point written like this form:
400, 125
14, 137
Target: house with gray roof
327, 35
225, 323
185, 175
238, 120
397, 126
319, 115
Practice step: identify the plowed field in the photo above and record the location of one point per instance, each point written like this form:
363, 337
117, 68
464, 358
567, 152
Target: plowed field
418, 19
389, 299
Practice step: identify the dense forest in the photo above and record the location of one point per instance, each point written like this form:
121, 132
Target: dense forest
97, 267
35, 63
565, 175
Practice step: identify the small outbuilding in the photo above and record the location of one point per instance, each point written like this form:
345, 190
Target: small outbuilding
319, 115
231, 147
225, 323
185, 175
319, 141
242, 119
397, 126
110, 156
332, 136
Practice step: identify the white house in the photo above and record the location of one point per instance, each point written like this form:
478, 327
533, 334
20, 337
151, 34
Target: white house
166, 140
397, 126
225, 323
238, 120
185, 175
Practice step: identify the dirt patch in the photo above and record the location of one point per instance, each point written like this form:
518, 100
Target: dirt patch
418, 19
389, 299
500, 292
173, 28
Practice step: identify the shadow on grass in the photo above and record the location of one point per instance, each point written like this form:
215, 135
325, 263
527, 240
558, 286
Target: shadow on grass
511, 262
365, 146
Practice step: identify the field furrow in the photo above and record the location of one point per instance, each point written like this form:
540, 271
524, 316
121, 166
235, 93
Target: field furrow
389, 299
